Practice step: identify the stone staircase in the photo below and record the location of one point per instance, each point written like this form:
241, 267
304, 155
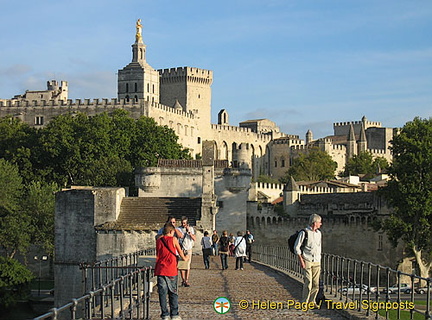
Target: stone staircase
150, 213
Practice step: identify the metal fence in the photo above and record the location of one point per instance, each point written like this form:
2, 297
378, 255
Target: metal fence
366, 287
116, 288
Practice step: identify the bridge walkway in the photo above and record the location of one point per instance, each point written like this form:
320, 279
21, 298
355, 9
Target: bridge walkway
256, 283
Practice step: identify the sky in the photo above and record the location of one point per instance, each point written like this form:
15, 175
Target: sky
304, 64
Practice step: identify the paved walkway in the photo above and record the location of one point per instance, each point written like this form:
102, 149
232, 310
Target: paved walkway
254, 284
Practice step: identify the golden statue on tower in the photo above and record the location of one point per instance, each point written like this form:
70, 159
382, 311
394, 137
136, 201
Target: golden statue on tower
138, 35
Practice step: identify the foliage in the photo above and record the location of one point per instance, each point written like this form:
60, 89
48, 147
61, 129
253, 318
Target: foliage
266, 179
39, 207
16, 142
312, 166
12, 220
103, 150
14, 280
409, 191
364, 164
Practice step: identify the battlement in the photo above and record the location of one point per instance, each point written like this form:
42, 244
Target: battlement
270, 186
301, 147
289, 140
173, 110
378, 151
189, 74
229, 128
90, 103
339, 147
354, 123
68, 102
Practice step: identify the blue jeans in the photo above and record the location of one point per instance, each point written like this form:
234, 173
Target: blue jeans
206, 257
168, 285
224, 260
216, 249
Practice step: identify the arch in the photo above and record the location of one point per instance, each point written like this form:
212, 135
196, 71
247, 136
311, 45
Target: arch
223, 152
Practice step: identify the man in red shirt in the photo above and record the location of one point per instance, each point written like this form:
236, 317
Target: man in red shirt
167, 250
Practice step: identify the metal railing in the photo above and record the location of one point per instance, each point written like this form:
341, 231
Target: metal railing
358, 285
115, 288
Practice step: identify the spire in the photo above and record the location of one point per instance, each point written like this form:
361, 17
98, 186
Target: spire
362, 143
351, 134
291, 185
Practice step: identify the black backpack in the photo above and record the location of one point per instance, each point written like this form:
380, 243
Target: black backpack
292, 239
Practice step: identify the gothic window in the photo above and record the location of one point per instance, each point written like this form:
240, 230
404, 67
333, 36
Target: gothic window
186, 130
39, 120
283, 163
275, 163
199, 140
136, 98
380, 242
127, 98
148, 87
127, 87
153, 89
136, 87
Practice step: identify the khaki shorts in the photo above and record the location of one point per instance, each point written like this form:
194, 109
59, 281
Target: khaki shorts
184, 265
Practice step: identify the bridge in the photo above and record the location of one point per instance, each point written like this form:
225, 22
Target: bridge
267, 288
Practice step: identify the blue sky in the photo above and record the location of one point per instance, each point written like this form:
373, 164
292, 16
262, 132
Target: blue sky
303, 64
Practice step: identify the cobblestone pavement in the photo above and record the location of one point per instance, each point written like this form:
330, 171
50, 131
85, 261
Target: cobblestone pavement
254, 284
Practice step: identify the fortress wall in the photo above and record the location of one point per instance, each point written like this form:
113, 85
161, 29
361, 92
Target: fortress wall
273, 190
169, 182
356, 240
342, 128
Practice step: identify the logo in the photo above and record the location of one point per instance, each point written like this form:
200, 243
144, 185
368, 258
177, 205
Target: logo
221, 305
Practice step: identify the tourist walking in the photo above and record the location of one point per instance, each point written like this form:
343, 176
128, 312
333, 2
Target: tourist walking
215, 240
187, 240
224, 244
206, 244
249, 241
239, 250
309, 255
167, 247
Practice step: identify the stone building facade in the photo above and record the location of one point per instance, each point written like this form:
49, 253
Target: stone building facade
180, 98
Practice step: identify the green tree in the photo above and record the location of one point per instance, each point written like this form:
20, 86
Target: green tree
39, 205
409, 191
13, 222
16, 142
266, 179
314, 165
14, 280
364, 164
103, 150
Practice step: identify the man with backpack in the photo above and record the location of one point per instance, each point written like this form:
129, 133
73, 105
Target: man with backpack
308, 249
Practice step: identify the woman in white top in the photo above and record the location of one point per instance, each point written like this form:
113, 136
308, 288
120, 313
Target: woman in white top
240, 250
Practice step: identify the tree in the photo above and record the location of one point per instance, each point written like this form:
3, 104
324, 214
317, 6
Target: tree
409, 191
312, 166
103, 150
13, 280
13, 222
17, 140
39, 206
364, 164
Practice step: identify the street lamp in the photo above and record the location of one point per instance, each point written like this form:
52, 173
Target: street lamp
42, 258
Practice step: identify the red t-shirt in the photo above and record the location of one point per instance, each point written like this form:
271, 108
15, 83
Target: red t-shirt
166, 261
